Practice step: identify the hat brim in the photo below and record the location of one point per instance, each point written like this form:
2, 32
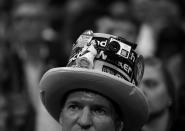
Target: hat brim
58, 81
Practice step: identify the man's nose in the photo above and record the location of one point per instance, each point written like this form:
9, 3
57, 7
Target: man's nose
85, 120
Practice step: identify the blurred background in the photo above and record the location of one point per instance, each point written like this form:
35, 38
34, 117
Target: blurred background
36, 35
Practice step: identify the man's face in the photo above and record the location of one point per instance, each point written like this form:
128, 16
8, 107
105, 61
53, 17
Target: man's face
155, 89
29, 21
86, 111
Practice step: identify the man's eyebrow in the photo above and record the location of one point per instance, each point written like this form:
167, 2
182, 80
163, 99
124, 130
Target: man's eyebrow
102, 106
72, 102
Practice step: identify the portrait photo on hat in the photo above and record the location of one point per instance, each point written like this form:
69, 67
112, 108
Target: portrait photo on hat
104, 64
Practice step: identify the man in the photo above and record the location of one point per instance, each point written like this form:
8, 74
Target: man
97, 90
159, 89
30, 21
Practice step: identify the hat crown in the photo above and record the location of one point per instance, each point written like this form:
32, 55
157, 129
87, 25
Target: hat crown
107, 53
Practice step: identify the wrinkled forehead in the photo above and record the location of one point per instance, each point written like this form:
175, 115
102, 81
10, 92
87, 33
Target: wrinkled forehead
88, 97
93, 97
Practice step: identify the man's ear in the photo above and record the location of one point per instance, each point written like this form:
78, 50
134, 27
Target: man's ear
60, 118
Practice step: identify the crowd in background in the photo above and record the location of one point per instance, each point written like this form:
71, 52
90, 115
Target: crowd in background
36, 35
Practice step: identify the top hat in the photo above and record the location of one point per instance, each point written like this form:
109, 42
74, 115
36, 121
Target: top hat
105, 64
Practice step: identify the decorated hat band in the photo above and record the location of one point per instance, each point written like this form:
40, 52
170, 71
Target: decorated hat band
109, 54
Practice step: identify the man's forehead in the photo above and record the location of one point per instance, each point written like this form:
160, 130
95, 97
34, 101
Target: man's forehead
86, 94
89, 97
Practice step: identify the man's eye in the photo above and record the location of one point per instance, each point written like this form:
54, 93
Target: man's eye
151, 83
100, 111
74, 107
